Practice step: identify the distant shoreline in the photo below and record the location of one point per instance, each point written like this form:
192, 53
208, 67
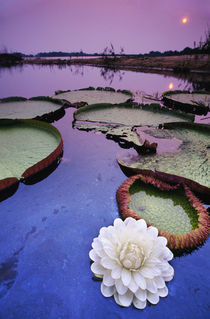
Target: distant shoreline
183, 63
193, 68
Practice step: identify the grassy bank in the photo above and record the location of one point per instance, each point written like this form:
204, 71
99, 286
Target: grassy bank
181, 63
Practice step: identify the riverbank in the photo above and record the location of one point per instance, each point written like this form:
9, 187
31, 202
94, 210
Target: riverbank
176, 64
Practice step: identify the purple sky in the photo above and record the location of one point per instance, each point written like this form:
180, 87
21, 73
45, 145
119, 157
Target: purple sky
139, 26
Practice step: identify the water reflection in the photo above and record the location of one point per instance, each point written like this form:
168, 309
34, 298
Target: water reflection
109, 74
33, 80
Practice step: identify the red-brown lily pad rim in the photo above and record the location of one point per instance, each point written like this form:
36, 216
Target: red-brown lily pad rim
203, 192
187, 107
11, 182
185, 241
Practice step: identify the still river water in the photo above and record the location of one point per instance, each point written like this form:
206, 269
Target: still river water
47, 228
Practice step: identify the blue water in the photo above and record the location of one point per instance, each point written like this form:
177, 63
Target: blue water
47, 229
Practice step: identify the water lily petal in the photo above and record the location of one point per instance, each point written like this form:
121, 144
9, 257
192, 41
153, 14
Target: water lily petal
129, 220
97, 269
162, 240
118, 223
116, 272
152, 231
163, 292
103, 231
126, 276
94, 256
108, 263
168, 272
160, 283
107, 291
139, 304
168, 278
97, 246
156, 270
168, 254
105, 241
132, 261
110, 252
141, 224
121, 289
126, 299
151, 286
164, 266
141, 294
132, 285
139, 279
108, 280
116, 298
147, 272
152, 298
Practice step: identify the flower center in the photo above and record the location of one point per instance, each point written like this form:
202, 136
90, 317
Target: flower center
131, 256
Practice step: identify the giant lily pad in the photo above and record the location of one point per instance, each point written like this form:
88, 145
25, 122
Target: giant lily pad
27, 147
131, 114
190, 161
195, 102
92, 96
40, 108
178, 214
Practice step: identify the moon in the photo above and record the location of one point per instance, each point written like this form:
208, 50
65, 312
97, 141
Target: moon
171, 85
184, 20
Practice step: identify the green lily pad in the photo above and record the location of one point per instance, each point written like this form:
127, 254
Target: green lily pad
169, 211
131, 114
27, 147
93, 96
190, 161
41, 108
174, 210
195, 102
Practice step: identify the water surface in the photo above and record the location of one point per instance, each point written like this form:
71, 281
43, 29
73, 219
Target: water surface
33, 80
47, 228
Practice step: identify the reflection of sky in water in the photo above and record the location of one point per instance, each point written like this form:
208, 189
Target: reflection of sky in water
44, 80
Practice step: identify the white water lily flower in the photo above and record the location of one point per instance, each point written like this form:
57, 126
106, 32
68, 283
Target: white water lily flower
132, 261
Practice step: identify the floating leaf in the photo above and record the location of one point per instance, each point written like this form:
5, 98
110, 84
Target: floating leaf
131, 114
190, 161
174, 210
27, 147
92, 96
124, 135
195, 102
40, 107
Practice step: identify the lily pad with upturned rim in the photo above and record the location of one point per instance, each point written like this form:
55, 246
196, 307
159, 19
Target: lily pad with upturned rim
189, 164
94, 96
174, 210
39, 108
195, 102
27, 147
131, 114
